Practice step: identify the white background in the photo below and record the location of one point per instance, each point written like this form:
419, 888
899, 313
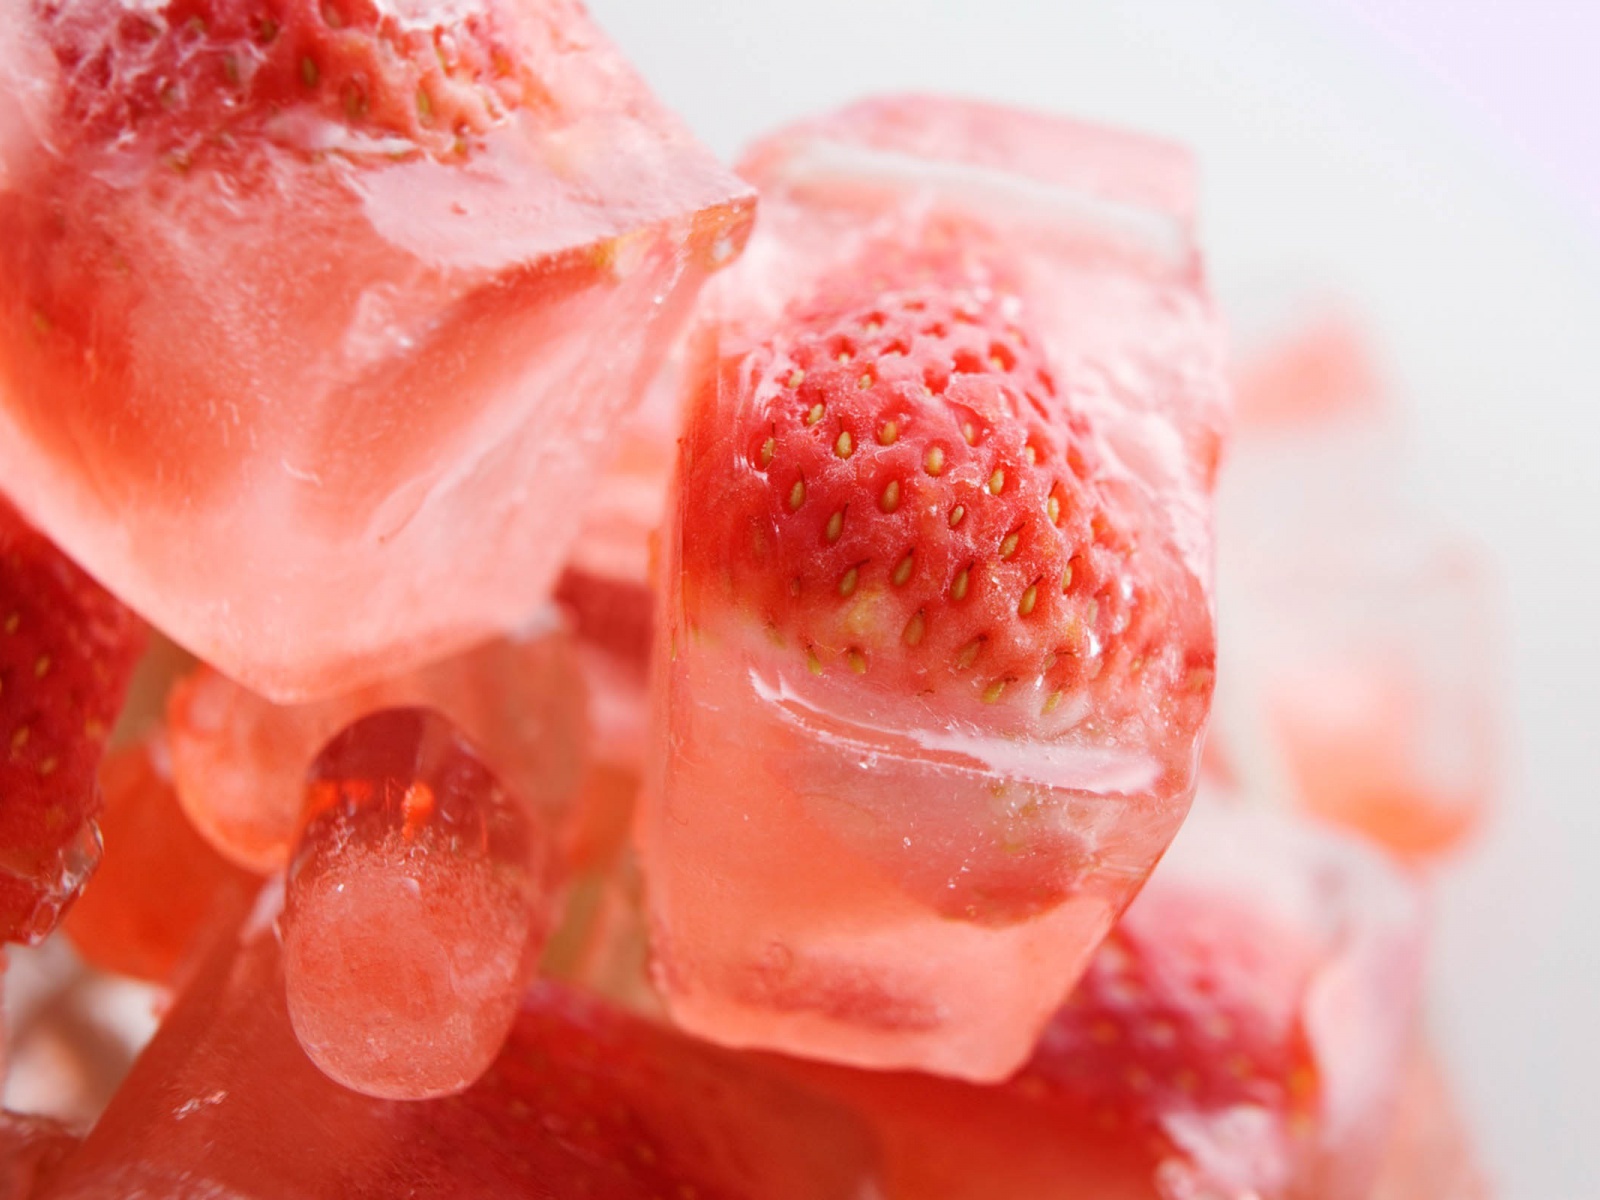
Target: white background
1327, 165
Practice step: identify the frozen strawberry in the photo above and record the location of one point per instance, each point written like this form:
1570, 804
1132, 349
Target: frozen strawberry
32, 1150
67, 649
1365, 676
895, 487
583, 1101
297, 290
196, 74
936, 647
124, 921
1244, 1031
948, 1140
240, 761
1395, 741
615, 615
1430, 1154
419, 895
1192, 1005
1252, 1011
1322, 372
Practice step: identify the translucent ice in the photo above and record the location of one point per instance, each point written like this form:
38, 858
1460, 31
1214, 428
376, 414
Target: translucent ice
584, 1100
239, 760
159, 887
331, 313
1430, 1154
32, 1150
1364, 642
935, 650
1245, 1032
71, 1033
418, 898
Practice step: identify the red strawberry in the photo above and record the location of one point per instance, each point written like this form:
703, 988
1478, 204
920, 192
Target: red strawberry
67, 650
1241, 1033
914, 499
1188, 1034
585, 1102
193, 72
628, 1111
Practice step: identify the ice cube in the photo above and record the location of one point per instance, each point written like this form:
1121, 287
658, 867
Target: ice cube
419, 895
72, 1032
1364, 664
1245, 1031
629, 504
619, 709
312, 332
154, 898
1430, 1154
935, 648
32, 1150
239, 760
584, 1100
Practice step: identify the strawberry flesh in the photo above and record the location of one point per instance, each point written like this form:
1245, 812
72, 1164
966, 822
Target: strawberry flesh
426, 76
1241, 1032
584, 1101
1192, 1005
1248, 1018
67, 651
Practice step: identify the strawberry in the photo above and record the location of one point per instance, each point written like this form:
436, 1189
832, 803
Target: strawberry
67, 650
425, 76
121, 923
1242, 1032
627, 1110
901, 488
1188, 1030
585, 1102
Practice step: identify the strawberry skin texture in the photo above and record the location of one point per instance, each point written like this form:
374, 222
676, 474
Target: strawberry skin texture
199, 73
1190, 1014
67, 651
906, 493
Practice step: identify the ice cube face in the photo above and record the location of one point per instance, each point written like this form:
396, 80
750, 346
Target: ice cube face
266, 362
71, 1033
837, 868
629, 504
584, 1100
